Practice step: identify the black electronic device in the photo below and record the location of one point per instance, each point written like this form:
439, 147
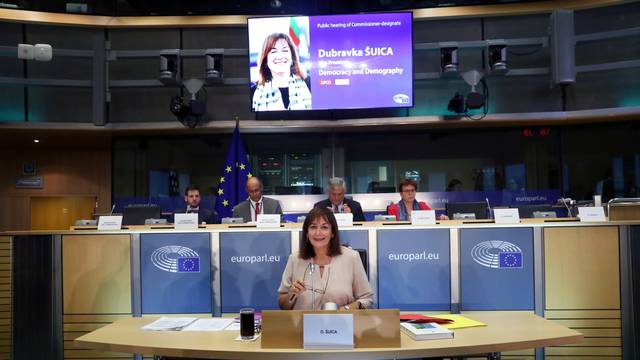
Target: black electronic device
479, 208
526, 211
136, 214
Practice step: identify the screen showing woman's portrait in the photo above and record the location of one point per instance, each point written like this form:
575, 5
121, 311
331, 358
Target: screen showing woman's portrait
279, 81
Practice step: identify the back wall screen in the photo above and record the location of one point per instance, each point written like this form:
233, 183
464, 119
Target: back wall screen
354, 61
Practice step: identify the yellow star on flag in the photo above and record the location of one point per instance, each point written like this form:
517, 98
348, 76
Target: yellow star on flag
222, 179
220, 191
249, 175
228, 169
225, 203
242, 166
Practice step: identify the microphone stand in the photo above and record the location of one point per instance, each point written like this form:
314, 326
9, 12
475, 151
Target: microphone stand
489, 208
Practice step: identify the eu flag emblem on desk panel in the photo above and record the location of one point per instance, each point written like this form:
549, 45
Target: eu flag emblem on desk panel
510, 260
235, 173
188, 264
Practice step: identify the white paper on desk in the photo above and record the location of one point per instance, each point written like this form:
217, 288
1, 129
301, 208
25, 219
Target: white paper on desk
235, 326
213, 324
169, 323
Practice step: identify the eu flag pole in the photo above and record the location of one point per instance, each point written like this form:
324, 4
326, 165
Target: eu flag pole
234, 176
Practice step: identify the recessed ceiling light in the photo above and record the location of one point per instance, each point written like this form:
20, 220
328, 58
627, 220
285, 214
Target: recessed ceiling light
36, 141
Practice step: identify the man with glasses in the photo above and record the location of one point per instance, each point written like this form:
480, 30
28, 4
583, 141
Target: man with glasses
338, 203
257, 204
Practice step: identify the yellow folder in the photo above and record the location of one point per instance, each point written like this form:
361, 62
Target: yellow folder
459, 321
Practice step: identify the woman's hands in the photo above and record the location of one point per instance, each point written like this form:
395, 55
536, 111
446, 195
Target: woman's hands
296, 289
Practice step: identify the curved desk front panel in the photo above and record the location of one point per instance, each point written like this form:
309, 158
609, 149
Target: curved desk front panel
414, 269
496, 269
175, 273
251, 267
576, 274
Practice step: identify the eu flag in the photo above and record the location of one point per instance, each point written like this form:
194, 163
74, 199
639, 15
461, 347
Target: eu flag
188, 264
235, 173
510, 260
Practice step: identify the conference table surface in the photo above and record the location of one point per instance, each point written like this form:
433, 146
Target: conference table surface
505, 331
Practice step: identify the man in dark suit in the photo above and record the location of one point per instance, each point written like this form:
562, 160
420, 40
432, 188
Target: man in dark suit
338, 203
192, 199
257, 204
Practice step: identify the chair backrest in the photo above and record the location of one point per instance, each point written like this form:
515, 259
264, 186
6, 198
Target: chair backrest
365, 260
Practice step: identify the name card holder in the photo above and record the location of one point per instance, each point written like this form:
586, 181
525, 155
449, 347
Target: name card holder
112, 222
268, 221
423, 217
327, 331
185, 221
506, 216
371, 328
591, 214
344, 220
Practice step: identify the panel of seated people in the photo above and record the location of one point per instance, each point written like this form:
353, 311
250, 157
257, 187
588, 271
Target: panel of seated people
496, 269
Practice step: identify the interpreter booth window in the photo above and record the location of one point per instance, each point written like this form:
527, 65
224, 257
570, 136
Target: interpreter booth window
602, 159
289, 164
508, 166
158, 169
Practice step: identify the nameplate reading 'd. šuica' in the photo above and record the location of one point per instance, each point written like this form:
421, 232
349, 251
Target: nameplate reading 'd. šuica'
327, 331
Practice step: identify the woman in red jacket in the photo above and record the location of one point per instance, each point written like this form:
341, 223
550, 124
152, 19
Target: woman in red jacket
403, 208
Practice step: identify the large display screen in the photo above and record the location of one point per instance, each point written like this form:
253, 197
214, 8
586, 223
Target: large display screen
331, 62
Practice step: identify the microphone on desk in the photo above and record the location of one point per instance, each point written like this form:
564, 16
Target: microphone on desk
112, 208
564, 202
489, 207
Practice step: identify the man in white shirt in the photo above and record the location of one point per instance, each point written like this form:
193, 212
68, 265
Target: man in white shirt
257, 204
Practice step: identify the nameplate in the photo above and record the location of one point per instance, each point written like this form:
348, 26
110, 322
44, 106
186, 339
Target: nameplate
113, 222
423, 217
506, 216
344, 220
327, 331
185, 221
268, 221
591, 214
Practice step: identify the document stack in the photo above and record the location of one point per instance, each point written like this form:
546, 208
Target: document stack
426, 331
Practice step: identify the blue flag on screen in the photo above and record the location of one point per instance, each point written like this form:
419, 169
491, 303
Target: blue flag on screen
188, 264
234, 176
510, 260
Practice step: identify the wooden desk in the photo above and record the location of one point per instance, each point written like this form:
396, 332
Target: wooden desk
505, 331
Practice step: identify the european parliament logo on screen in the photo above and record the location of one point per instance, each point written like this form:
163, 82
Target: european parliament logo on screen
497, 254
176, 259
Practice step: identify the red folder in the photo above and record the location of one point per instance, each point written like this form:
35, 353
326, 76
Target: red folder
417, 318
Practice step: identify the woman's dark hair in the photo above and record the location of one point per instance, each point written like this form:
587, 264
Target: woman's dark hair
306, 249
407, 182
269, 43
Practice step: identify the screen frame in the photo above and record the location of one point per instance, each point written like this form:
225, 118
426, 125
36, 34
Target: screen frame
331, 110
